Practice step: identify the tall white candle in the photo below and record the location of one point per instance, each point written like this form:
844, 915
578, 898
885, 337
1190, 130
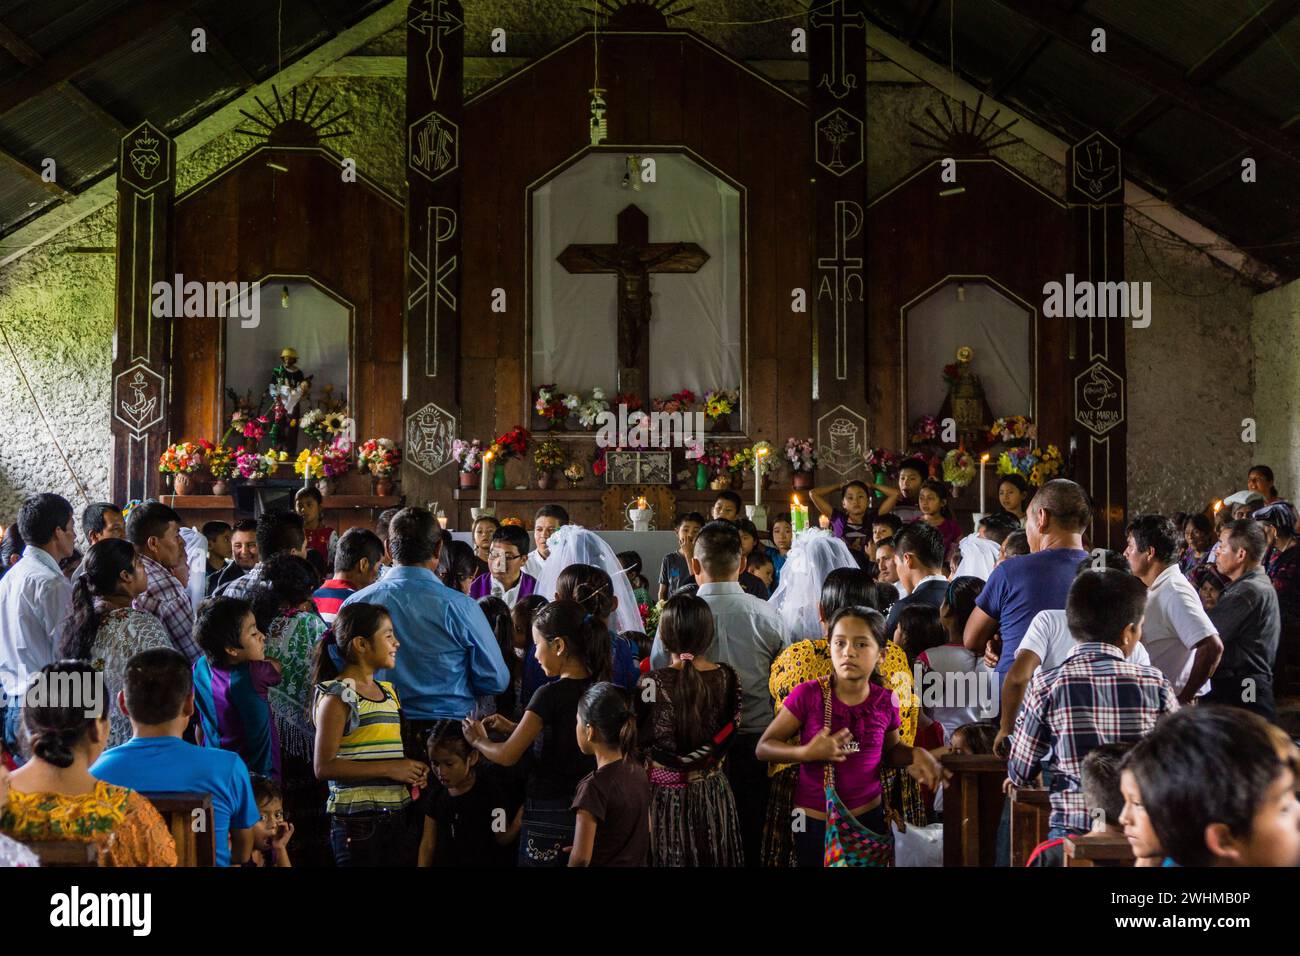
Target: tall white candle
758, 476
482, 487
984, 460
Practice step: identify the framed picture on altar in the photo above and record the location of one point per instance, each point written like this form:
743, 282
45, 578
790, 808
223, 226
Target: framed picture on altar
639, 468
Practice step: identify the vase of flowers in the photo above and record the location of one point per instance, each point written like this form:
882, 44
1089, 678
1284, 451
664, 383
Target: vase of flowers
547, 457
739, 462
801, 453
719, 405
676, 402
221, 466
549, 406
958, 468
468, 456
512, 444
590, 409
182, 461
253, 467
573, 474
381, 457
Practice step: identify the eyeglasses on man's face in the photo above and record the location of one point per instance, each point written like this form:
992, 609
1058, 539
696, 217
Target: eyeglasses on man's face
502, 556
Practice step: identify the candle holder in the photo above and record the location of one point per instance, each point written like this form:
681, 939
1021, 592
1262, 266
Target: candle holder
640, 515
758, 515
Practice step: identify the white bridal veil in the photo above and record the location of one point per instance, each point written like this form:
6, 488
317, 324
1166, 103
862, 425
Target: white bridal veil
814, 554
574, 544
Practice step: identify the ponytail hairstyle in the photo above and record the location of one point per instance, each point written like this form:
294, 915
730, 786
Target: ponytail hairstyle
217, 627
919, 629
686, 629
941, 489
586, 636
604, 707
105, 564
589, 586
502, 623
334, 650
53, 731
875, 622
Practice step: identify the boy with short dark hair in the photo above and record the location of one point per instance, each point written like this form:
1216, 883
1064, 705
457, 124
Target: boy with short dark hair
675, 571
505, 576
356, 565
1218, 784
1101, 793
1097, 696
727, 506
220, 550
158, 695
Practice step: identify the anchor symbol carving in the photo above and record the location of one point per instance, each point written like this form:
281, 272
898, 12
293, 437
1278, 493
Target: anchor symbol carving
143, 405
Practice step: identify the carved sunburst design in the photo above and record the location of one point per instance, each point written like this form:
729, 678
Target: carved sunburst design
291, 126
973, 135
638, 14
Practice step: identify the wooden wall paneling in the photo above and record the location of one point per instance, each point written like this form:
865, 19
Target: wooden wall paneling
433, 303
1097, 383
836, 132
141, 393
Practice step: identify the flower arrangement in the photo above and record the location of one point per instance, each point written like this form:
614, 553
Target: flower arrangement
380, 456
512, 444
676, 402
925, 430
1037, 465
549, 405
719, 402
1013, 430
958, 468
182, 458
323, 426
573, 474
246, 425
598, 462
515, 522
884, 461
336, 457
742, 459
694, 450
548, 456
801, 453
220, 461
468, 455
630, 399
253, 465
589, 410
309, 464
651, 618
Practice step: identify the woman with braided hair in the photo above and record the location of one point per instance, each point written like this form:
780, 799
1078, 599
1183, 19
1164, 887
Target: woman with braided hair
54, 796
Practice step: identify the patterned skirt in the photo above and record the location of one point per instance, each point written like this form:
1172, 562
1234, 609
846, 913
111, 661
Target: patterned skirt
693, 820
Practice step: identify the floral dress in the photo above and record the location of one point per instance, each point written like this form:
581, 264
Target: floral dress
123, 825
123, 633
291, 640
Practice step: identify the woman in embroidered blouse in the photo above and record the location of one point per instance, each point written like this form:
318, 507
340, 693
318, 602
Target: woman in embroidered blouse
104, 629
12, 853
54, 797
286, 615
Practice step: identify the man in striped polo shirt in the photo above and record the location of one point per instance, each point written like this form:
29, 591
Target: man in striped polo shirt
356, 564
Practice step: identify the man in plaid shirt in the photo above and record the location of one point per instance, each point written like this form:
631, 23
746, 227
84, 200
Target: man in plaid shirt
1097, 696
155, 530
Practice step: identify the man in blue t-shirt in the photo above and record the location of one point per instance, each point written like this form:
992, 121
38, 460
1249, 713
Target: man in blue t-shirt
1022, 586
158, 696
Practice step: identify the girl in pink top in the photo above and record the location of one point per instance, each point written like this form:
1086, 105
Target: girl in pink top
863, 733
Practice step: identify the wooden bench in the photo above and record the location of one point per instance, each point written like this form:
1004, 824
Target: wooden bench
64, 852
972, 808
1098, 849
1030, 810
195, 846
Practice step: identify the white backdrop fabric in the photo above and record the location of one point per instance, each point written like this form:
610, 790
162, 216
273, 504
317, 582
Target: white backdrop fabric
315, 326
997, 328
695, 324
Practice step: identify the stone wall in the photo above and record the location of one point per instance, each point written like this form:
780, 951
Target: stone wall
1276, 333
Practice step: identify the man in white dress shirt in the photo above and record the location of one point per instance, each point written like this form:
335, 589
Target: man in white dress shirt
34, 599
1180, 637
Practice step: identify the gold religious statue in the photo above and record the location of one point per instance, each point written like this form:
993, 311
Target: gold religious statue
966, 403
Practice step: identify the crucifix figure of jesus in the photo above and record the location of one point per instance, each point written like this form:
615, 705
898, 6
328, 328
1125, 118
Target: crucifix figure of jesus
633, 258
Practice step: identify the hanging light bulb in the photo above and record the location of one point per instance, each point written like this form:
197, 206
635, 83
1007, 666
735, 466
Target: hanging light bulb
284, 297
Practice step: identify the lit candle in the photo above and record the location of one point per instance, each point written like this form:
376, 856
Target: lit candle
1218, 504
482, 487
442, 521
798, 515
642, 504
984, 460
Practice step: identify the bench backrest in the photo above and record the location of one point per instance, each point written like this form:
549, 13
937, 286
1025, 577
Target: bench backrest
189, 818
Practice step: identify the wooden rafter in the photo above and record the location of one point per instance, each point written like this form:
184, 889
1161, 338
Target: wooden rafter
106, 35
1244, 41
223, 57
1125, 54
1143, 116
1028, 53
74, 93
1209, 179
33, 175
18, 48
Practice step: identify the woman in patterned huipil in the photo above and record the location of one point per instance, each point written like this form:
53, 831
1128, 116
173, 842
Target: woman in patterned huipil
104, 629
687, 715
286, 615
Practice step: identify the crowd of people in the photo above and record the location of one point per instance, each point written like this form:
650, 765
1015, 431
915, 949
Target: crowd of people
391, 696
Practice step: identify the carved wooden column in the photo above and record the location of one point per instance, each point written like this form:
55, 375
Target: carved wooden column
435, 46
1098, 428
141, 380
837, 81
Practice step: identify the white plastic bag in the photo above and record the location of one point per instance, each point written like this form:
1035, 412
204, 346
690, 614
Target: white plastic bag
918, 846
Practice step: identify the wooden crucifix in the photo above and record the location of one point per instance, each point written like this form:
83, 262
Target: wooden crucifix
633, 258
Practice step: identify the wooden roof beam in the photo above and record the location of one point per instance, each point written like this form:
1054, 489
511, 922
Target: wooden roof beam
32, 175
1244, 41
18, 48
1125, 54
1209, 179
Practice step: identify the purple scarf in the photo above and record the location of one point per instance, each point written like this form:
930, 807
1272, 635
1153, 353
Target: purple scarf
482, 586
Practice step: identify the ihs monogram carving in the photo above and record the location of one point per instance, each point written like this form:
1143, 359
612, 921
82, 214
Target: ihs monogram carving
429, 434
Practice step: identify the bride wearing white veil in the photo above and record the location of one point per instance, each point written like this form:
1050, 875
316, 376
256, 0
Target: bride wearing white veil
574, 544
813, 556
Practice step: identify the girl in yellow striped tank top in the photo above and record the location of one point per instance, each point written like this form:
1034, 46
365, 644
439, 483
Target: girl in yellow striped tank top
359, 742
